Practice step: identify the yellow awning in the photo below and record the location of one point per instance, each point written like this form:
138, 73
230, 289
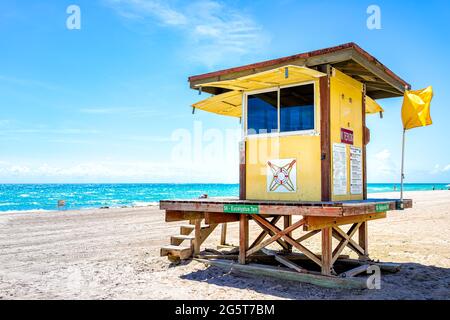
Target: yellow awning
272, 78
372, 106
230, 103
226, 104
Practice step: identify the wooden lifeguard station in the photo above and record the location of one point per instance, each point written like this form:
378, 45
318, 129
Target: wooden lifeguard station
302, 165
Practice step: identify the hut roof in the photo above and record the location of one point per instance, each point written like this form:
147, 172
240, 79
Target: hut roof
349, 58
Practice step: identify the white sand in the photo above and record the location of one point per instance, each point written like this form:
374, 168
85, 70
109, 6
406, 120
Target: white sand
114, 254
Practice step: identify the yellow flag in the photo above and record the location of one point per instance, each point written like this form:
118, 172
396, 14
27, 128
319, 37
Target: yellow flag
416, 108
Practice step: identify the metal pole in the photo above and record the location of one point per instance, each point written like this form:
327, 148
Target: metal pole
403, 166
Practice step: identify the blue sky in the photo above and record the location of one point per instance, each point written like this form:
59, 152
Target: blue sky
109, 102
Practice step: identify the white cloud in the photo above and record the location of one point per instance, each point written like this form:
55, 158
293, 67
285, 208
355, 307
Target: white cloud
383, 155
120, 111
440, 169
126, 171
382, 168
214, 31
139, 9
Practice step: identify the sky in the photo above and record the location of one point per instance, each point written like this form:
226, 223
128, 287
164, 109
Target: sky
110, 102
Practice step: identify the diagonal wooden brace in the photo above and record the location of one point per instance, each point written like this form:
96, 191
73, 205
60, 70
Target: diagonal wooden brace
270, 233
284, 234
342, 236
345, 240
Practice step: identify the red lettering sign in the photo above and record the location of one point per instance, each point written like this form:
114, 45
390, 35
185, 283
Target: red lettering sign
346, 136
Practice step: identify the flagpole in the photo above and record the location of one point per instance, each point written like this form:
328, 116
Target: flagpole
403, 166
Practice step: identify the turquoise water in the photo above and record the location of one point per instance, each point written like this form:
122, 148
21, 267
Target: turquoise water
40, 197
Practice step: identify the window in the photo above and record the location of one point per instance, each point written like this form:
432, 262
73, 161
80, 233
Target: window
262, 113
289, 109
297, 108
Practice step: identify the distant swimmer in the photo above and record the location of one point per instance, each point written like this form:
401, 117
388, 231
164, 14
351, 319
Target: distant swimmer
395, 188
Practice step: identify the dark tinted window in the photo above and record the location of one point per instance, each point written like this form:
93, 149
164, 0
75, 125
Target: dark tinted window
297, 108
262, 113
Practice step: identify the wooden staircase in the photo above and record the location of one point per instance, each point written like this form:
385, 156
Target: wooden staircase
184, 245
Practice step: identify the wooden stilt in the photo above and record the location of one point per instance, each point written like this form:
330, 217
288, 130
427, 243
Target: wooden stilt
197, 235
223, 234
326, 251
287, 224
243, 238
363, 235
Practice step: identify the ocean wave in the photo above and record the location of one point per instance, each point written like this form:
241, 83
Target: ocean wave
5, 204
144, 204
27, 211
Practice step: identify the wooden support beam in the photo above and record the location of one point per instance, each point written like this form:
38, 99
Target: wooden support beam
363, 240
365, 138
340, 235
284, 261
318, 223
326, 251
324, 87
384, 266
242, 171
206, 231
285, 274
243, 238
344, 242
197, 235
287, 223
270, 233
355, 271
223, 234
283, 234
263, 234
219, 217
307, 236
172, 216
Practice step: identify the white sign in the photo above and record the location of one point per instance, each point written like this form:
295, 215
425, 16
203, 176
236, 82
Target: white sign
282, 175
339, 169
356, 178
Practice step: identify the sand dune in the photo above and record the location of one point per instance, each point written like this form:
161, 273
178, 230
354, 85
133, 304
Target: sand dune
114, 254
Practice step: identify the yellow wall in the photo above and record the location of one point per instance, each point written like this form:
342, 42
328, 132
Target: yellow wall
345, 114
306, 149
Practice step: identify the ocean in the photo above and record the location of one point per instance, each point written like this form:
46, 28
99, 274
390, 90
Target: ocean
44, 197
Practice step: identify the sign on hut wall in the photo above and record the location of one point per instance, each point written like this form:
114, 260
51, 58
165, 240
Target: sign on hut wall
282, 175
346, 136
339, 169
356, 176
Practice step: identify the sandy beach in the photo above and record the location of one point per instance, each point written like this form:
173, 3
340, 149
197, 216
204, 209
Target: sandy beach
114, 254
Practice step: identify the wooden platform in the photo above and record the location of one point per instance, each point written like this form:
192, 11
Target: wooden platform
320, 208
324, 219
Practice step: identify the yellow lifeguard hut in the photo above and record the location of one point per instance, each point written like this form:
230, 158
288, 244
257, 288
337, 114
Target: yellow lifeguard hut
303, 153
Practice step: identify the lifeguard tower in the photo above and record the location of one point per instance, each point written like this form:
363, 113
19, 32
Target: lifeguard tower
302, 165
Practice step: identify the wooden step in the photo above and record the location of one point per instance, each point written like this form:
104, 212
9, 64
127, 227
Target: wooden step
187, 229
178, 239
180, 252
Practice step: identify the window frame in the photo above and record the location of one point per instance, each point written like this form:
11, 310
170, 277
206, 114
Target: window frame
308, 132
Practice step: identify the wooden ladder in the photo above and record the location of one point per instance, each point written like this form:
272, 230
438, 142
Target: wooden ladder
183, 246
